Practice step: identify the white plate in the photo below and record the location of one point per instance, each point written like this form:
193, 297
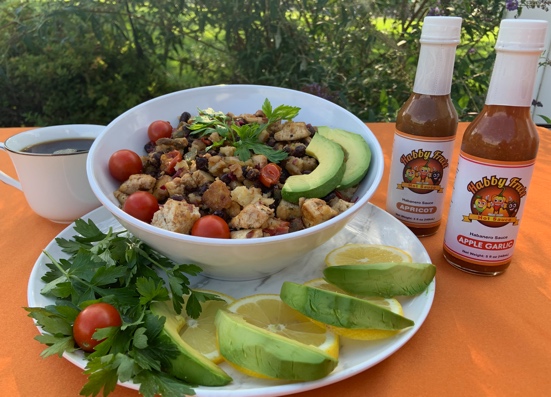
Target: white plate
371, 225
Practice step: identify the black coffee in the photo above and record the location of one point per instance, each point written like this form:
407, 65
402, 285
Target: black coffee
60, 146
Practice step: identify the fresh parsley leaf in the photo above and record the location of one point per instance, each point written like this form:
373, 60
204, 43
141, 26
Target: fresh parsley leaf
153, 384
244, 137
140, 338
102, 375
193, 304
150, 290
248, 134
282, 112
126, 368
57, 322
56, 344
107, 275
51, 320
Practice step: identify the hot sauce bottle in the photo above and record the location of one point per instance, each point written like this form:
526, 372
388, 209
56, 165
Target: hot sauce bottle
497, 157
425, 132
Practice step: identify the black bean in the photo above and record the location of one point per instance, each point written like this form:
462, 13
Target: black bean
299, 151
251, 174
185, 117
226, 178
276, 195
202, 163
202, 189
284, 175
329, 197
187, 132
222, 214
149, 147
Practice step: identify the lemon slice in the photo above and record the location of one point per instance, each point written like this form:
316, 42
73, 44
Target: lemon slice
200, 333
269, 312
351, 254
346, 310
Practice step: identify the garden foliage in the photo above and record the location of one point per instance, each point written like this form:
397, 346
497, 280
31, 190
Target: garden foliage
87, 61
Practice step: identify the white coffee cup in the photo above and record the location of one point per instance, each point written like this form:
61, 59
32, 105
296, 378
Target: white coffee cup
55, 185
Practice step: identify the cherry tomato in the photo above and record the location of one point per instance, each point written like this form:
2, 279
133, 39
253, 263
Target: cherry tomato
96, 316
141, 205
269, 174
124, 163
159, 129
175, 157
211, 226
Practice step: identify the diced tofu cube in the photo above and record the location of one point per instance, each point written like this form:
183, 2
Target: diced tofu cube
176, 216
287, 211
316, 211
138, 182
253, 216
292, 131
217, 196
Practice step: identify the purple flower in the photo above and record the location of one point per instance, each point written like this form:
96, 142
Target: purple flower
511, 5
433, 11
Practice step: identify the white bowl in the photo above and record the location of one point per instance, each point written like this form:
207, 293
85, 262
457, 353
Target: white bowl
219, 258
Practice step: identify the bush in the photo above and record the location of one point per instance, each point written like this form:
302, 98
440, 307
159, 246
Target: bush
68, 61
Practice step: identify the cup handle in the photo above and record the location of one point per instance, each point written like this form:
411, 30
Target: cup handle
5, 177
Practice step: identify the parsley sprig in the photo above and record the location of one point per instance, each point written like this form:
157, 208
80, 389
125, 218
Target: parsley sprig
244, 137
120, 269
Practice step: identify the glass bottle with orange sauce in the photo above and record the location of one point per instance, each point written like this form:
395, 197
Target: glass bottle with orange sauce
426, 126
497, 157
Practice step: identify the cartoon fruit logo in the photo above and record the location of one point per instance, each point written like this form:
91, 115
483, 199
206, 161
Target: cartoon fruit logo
495, 206
422, 176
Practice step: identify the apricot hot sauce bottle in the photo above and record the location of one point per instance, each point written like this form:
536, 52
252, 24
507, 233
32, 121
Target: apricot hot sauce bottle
497, 157
426, 126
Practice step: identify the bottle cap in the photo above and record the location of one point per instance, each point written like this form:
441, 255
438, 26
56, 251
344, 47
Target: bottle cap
524, 35
441, 30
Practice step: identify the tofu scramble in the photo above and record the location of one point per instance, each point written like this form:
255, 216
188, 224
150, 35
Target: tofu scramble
216, 164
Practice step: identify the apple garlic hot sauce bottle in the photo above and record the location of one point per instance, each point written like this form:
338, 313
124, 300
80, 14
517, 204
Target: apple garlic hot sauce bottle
425, 132
497, 157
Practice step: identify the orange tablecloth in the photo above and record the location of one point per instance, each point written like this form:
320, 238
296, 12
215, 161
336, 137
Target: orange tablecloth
483, 336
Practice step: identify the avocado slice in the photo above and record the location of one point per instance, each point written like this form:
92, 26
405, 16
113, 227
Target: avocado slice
382, 279
269, 354
190, 365
357, 154
340, 310
325, 177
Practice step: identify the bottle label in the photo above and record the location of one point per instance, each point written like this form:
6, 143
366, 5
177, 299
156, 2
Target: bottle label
486, 208
418, 176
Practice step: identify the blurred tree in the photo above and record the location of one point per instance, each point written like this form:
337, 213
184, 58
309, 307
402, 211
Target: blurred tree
90, 60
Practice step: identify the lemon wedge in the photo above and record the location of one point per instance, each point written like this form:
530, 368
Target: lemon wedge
351, 254
200, 333
307, 349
